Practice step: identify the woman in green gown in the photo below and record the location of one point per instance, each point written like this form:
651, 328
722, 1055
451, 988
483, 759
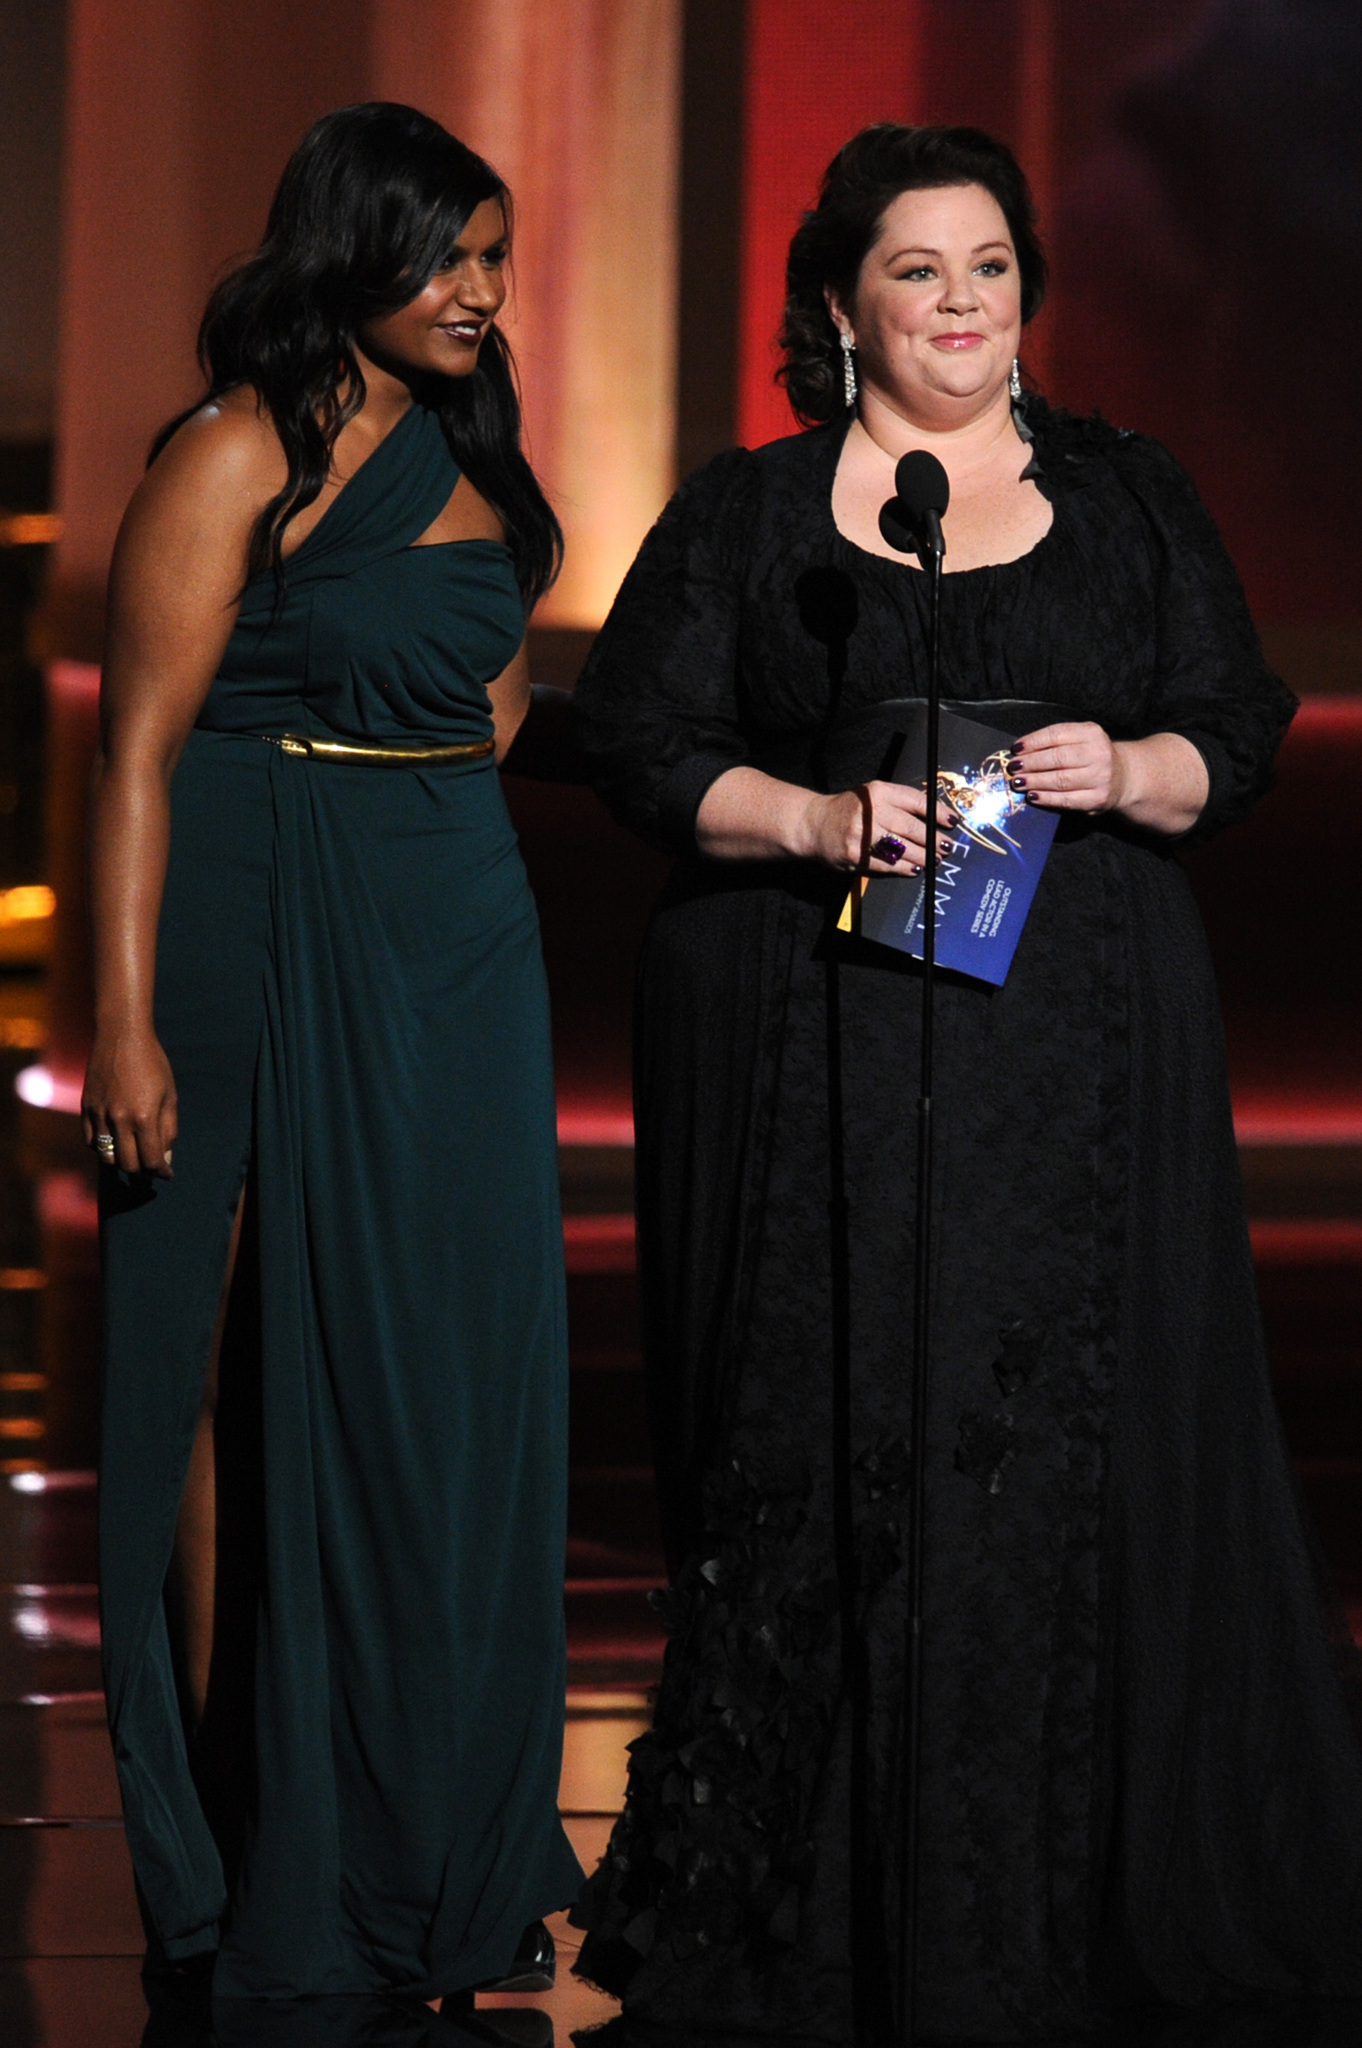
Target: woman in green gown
333, 1468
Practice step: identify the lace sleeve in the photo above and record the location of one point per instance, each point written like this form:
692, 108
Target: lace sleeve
657, 705
1213, 685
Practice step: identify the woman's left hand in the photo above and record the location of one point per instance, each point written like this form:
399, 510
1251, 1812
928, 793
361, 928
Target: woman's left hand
1069, 768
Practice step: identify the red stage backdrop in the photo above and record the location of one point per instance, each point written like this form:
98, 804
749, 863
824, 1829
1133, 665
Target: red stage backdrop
817, 70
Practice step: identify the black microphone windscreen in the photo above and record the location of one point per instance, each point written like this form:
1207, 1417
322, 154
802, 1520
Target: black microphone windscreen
922, 484
895, 529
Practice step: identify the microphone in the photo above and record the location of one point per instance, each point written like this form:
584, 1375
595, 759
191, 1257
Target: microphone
911, 520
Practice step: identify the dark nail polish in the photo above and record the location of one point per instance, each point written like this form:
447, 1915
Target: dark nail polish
1018, 781
1031, 796
915, 868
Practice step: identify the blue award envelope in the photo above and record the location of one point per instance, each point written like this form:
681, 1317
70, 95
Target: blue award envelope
986, 880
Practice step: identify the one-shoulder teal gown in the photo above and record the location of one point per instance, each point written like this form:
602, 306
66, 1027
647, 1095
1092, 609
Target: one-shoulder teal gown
351, 994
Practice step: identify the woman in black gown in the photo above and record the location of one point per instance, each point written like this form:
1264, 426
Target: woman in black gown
1141, 1774
332, 1531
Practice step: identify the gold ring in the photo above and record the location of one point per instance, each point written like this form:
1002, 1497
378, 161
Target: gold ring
105, 1146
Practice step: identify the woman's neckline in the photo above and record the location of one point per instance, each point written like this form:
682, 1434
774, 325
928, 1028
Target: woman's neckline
412, 410
914, 568
467, 540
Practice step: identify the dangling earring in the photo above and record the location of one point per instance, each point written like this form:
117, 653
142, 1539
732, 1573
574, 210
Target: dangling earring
848, 369
1014, 381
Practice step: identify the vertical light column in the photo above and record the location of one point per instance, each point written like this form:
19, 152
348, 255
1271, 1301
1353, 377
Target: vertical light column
179, 120
1035, 132
577, 105
130, 282
129, 308
816, 72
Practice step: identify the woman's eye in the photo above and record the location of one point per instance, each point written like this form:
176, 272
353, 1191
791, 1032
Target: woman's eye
994, 267
917, 274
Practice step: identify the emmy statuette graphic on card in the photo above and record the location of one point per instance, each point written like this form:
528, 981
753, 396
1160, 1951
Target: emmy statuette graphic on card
986, 880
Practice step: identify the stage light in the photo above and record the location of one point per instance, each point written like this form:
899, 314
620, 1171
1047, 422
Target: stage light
24, 1034
23, 905
45, 1090
29, 529
53, 1482
603, 1122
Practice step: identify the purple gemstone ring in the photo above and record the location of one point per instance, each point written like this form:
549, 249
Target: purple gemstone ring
889, 848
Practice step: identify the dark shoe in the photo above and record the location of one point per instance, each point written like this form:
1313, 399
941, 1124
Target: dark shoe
534, 1965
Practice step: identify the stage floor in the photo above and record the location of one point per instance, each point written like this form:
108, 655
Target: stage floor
70, 1937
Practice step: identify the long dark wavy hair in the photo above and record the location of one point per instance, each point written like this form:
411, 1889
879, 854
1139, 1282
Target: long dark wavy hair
371, 205
831, 243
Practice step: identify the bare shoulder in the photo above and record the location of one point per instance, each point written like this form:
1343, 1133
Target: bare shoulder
213, 477
185, 537
228, 447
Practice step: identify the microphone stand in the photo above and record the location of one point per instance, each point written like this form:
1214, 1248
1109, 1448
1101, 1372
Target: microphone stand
931, 548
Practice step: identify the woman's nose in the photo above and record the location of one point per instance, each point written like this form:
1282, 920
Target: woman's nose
479, 293
959, 295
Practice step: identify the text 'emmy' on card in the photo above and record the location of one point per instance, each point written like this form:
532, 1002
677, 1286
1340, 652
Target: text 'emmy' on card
986, 880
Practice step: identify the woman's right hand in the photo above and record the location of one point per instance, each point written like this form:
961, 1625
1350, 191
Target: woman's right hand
129, 1096
835, 826
747, 815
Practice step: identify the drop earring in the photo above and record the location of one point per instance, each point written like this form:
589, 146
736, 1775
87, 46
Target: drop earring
848, 369
1014, 381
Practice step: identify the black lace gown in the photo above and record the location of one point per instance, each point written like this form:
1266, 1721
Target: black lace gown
1143, 1777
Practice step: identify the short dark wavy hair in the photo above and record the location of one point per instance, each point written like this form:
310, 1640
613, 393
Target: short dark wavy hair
831, 243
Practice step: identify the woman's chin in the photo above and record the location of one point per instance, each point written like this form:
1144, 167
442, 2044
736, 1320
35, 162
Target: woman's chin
942, 396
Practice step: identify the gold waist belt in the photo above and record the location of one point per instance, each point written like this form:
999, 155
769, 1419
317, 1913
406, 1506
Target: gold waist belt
311, 749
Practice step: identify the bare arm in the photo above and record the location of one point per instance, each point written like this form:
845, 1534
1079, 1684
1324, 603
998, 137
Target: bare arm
747, 815
510, 695
178, 568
